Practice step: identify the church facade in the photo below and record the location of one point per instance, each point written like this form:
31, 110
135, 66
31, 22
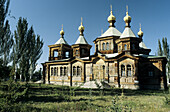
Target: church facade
120, 60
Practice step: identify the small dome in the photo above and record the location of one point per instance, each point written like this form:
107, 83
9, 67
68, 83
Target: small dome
61, 32
127, 18
81, 28
111, 17
140, 33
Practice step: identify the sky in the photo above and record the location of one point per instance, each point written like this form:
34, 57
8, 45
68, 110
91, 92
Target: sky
47, 17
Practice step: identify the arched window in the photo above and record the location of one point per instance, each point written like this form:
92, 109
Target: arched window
119, 48
133, 46
122, 70
54, 71
103, 46
51, 71
77, 52
74, 71
65, 71
125, 47
107, 46
103, 72
150, 73
67, 54
83, 51
61, 71
57, 71
78, 71
129, 73
55, 53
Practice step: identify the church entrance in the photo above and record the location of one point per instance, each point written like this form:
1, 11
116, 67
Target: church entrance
99, 72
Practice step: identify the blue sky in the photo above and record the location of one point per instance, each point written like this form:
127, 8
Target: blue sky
47, 17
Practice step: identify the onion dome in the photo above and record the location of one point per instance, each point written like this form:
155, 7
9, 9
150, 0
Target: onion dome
111, 19
81, 27
127, 18
140, 33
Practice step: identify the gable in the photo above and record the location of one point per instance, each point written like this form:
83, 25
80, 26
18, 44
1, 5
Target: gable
77, 63
126, 61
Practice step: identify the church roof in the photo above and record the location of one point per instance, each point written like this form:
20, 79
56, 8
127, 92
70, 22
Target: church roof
81, 40
149, 56
142, 45
61, 41
127, 33
112, 31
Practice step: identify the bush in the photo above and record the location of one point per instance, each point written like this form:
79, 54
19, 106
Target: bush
13, 92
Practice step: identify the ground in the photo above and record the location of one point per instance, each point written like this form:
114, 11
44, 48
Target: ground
54, 98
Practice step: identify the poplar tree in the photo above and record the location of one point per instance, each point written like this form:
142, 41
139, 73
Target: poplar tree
6, 39
164, 51
167, 54
27, 49
6, 44
159, 48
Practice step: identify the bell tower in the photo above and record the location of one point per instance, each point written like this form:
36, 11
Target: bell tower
61, 49
81, 48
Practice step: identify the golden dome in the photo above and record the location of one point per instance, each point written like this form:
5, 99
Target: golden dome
140, 33
62, 32
127, 18
81, 27
111, 17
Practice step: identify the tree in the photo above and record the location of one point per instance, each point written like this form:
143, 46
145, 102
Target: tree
27, 49
4, 70
165, 52
36, 52
165, 47
6, 44
6, 39
160, 48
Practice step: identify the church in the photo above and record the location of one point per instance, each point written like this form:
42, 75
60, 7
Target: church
121, 60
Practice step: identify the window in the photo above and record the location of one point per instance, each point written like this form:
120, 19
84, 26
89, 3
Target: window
74, 71
119, 48
103, 72
61, 71
51, 71
133, 46
103, 46
78, 71
83, 51
77, 52
65, 71
129, 70
125, 47
107, 46
122, 70
150, 73
57, 71
67, 54
55, 53
54, 71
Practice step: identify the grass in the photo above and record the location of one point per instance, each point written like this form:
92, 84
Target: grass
53, 98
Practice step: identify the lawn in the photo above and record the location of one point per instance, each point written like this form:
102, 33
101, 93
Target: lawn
53, 98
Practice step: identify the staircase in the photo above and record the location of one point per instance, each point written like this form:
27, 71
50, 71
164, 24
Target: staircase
96, 84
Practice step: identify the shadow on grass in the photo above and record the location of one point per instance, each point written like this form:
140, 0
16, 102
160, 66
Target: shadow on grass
52, 99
